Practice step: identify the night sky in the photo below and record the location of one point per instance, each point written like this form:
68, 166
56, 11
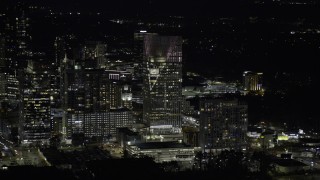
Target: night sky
261, 52
280, 40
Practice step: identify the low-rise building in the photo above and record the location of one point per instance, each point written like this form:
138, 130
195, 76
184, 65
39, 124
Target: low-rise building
163, 151
287, 166
104, 125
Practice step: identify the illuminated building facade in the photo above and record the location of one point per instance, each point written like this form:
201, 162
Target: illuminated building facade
37, 115
23, 40
9, 86
163, 151
38, 94
252, 81
22, 30
3, 83
162, 80
94, 91
57, 125
9, 101
138, 44
2, 52
81, 96
223, 124
126, 96
191, 135
96, 51
119, 89
104, 125
8, 44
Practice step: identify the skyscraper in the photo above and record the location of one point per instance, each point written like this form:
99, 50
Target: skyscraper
2, 53
22, 30
138, 44
162, 80
23, 41
252, 81
93, 91
104, 125
138, 52
223, 124
9, 101
37, 125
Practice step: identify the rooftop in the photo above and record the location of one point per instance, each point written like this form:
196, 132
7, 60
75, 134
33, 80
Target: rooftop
288, 162
161, 145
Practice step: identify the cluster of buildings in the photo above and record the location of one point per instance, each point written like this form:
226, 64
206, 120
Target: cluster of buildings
79, 92
252, 83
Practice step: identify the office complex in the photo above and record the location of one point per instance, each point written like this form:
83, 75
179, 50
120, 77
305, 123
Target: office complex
22, 30
163, 151
104, 125
37, 116
88, 89
9, 86
252, 81
2, 52
223, 124
162, 80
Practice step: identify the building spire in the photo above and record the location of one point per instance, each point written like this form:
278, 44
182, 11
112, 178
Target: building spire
65, 60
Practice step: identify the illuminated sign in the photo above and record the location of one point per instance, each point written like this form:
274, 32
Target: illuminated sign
126, 96
154, 71
283, 138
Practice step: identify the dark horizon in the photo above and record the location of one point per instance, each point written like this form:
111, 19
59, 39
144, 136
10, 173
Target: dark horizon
181, 89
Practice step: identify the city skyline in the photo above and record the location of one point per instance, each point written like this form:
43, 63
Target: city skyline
159, 89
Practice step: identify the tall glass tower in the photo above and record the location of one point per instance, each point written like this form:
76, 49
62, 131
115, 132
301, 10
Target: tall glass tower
162, 80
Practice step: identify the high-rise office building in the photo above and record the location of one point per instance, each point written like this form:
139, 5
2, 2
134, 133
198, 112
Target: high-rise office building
252, 81
8, 44
22, 25
9, 86
57, 123
2, 53
37, 100
75, 103
93, 91
3, 83
138, 44
223, 124
104, 125
37, 115
126, 96
59, 66
23, 40
9, 101
162, 80
119, 89
96, 52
